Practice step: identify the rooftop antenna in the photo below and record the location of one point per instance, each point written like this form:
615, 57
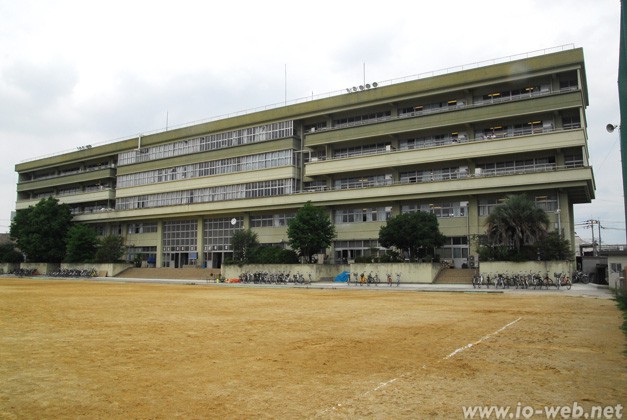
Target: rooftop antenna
166, 120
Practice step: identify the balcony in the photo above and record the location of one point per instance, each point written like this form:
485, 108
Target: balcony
84, 197
76, 178
461, 151
455, 116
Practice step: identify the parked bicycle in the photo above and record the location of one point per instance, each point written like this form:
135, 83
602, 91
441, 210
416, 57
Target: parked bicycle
581, 277
562, 280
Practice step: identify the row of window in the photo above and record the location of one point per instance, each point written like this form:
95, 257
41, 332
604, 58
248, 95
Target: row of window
547, 203
369, 118
516, 166
361, 150
205, 195
441, 209
146, 227
363, 181
361, 215
209, 142
430, 175
271, 220
215, 167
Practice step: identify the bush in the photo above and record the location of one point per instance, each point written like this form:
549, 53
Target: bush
8, 254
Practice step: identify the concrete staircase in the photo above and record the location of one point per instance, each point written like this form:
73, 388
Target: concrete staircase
171, 273
455, 276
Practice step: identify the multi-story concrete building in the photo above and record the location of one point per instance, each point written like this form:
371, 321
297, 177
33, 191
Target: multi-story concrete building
454, 144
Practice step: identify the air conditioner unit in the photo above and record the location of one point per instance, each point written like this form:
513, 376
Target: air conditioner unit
478, 171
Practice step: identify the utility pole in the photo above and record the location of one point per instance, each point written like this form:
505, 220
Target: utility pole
589, 224
594, 245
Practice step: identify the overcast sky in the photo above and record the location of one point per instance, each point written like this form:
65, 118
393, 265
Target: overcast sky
82, 72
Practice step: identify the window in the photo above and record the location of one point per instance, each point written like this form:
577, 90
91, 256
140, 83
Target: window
429, 175
571, 122
440, 209
218, 232
364, 181
547, 203
271, 220
137, 228
361, 215
486, 205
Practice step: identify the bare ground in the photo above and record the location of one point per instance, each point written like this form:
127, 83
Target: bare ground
84, 349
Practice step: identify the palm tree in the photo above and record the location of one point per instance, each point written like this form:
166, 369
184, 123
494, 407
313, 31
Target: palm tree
516, 222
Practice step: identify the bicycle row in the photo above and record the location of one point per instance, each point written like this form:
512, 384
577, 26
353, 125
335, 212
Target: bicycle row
363, 279
23, 272
522, 281
74, 272
264, 277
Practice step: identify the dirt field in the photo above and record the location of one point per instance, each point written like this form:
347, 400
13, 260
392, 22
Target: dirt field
72, 349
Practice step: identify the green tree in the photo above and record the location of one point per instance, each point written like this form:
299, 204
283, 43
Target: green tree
516, 222
82, 243
417, 233
310, 231
110, 249
8, 254
244, 243
554, 247
273, 255
41, 230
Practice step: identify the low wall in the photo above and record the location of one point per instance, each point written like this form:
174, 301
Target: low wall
319, 272
410, 273
42, 268
102, 270
8, 267
541, 267
46, 269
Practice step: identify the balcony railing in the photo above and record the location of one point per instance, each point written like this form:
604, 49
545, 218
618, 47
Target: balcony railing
449, 141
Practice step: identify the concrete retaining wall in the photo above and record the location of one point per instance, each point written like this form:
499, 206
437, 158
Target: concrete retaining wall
410, 273
45, 269
541, 267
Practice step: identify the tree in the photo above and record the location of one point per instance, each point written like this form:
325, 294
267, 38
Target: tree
41, 230
244, 243
8, 254
310, 231
417, 233
110, 249
516, 222
554, 247
82, 243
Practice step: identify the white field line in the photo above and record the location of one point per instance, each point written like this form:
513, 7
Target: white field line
383, 385
485, 337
